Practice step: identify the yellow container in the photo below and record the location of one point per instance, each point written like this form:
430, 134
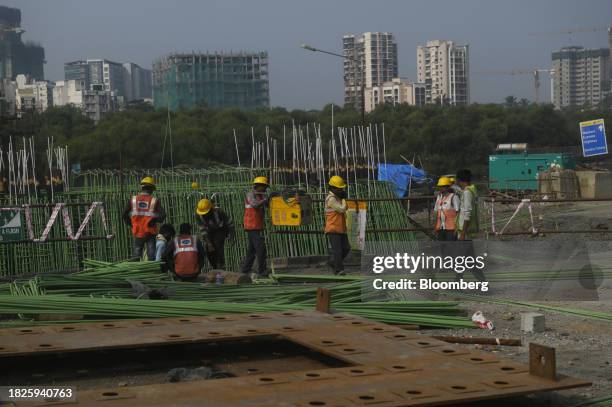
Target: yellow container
293, 211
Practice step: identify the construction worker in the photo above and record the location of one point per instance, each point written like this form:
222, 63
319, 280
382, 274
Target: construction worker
446, 209
254, 206
143, 213
215, 227
467, 222
335, 224
185, 255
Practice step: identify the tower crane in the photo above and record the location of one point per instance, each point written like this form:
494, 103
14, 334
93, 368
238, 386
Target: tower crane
535, 72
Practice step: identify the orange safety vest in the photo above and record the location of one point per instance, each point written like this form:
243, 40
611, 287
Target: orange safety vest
335, 222
143, 211
186, 255
253, 217
446, 215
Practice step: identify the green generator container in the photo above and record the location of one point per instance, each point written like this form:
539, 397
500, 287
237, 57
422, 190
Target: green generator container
519, 171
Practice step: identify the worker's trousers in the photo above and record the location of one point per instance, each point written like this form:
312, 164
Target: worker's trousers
256, 248
339, 248
216, 257
446, 235
139, 245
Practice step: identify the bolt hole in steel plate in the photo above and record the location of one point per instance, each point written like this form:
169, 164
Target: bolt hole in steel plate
45, 346
289, 328
401, 368
222, 318
28, 331
426, 343
359, 371
271, 379
509, 368
502, 382
176, 337
148, 323
316, 375
460, 388
382, 397
380, 329
340, 317
329, 342
323, 401
415, 393
6, 349
478, 358
450, 351
256, 316
68, 328
403, 336
111, 325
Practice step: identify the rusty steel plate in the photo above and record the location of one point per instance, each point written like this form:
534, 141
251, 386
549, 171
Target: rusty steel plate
385, 365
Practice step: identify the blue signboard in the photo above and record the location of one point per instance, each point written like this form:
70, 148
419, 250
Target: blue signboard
593, 134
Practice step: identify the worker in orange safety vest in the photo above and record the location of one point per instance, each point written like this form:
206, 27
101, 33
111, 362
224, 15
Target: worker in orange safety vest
143, 214
185, 255
335, 224
446, 210
254, 207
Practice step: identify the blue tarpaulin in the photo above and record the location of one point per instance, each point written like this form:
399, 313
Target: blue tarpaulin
400, 175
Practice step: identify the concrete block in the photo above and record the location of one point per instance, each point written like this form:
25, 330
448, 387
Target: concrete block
595, 184
532, 322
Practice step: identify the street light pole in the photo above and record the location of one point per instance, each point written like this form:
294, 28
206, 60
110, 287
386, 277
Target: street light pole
313, 49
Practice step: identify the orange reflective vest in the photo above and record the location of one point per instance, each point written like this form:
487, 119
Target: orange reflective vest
253, 212
143, 211
186, 255
446, 215
335, 222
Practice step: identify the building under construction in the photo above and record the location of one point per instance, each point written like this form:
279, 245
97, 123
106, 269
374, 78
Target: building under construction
17, 57
215, 80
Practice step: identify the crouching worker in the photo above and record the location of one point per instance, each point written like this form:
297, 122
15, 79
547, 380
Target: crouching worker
185, 255
335, 224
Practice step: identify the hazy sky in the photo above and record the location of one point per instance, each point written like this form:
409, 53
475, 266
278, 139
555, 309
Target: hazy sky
141, 30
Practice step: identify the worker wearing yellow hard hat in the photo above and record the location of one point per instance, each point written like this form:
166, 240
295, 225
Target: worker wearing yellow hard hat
215, 227
335, 224
143, 214
254, 206
446, 210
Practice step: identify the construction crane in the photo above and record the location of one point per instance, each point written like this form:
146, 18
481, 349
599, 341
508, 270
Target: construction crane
570, 31
534, 72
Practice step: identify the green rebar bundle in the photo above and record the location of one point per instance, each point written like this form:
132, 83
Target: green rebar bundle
226, 186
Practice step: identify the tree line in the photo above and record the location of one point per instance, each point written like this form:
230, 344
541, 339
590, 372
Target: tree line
442, 138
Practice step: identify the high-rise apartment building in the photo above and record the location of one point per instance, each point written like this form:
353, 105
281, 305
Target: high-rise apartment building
444, 68
581, 76
370, 60
395, 92
17, 57
127, 81
216, 80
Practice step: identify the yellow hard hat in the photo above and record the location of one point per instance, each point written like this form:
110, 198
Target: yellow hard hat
261, 180
148, 181
204, 206
195, 185
444, 182
337, 181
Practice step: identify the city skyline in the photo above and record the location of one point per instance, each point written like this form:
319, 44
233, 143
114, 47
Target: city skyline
143, 31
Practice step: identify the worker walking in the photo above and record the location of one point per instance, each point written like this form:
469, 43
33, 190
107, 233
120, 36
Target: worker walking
467, 222
215, 227
254, 207
185, 255
143, 214
335, 224
446, 209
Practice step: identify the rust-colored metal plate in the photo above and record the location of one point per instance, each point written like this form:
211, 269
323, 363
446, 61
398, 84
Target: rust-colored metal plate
386, 366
